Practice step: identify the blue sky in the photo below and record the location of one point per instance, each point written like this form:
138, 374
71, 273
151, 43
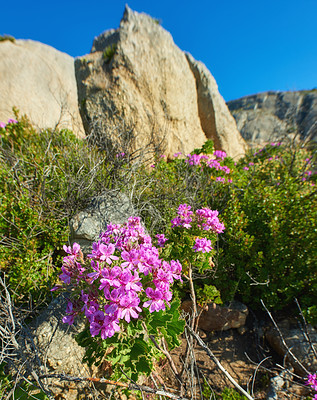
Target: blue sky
249, 46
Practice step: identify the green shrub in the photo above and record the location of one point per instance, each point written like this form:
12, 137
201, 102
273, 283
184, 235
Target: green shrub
45, 178
109, 52
7, 38
268, 249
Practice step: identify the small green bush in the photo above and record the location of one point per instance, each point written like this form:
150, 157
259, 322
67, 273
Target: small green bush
7, 38
109, 52
269, 249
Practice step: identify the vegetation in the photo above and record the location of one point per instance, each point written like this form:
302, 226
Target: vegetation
266, 201
268, 205
46, 177
109, 52
4, 38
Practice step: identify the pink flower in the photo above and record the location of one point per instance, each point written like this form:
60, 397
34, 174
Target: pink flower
109, 327
161, 240
12, 121
203, 245
220, 179
246, 168
129, 306
156, 302
220, 154
2, 125
184, 219
74, 251
312, 381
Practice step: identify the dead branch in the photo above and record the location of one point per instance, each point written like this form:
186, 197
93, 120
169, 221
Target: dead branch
129, 386
216, 361
289, 351
305, 332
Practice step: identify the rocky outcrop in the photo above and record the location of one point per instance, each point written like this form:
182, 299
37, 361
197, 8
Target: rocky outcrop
137, 75
274, 116
216, 121
40, 82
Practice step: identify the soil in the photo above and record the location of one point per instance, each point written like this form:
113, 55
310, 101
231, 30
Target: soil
244, 354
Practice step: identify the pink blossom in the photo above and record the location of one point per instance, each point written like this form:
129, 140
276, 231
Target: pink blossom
161, 240
156, 302
203, 245
220, 154
129, 306
220, 179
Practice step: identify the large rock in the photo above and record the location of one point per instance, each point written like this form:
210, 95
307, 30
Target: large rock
40, 81
137, 75
215, 118
58, 350
274, 116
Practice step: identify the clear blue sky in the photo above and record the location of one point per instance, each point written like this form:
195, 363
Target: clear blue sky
249, 46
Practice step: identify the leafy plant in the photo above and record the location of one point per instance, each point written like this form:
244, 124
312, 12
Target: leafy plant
128, 282
46, 177
4, 38
109, 52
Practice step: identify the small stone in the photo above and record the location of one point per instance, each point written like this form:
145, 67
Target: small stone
242, 330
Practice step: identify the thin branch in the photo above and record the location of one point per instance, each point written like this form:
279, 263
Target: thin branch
129, 386
283, 341
305, 333
216, 361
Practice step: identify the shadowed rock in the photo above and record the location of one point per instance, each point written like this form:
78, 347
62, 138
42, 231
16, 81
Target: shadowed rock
274, 116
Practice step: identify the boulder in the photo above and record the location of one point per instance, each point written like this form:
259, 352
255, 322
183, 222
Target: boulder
296, 342
40, 82
86, 226
58, 350
276, 116
137, 80
219, 318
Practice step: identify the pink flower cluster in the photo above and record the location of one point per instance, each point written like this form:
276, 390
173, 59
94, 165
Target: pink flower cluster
201, 160
203, 245
205, 219
220, 154
208, 220
184, 217
125, 275
198, 159
312, 382
10, 121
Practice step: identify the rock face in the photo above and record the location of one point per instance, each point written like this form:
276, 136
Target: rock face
40, 81
219, 318
273, 116
216, 121
137, 74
